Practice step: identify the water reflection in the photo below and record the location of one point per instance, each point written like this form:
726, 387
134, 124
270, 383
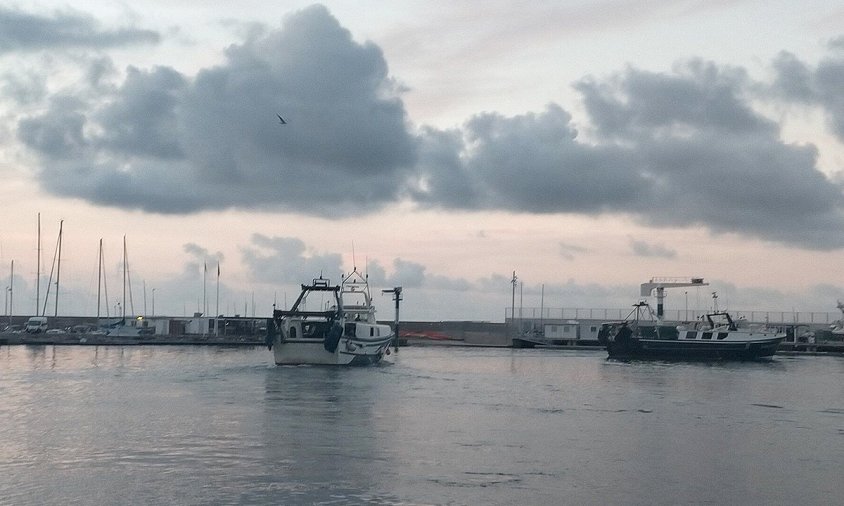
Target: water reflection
322, 437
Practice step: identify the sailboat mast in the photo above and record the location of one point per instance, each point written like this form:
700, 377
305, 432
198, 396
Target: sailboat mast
99, 276
123, 315
105, 282
58, 267
38, 270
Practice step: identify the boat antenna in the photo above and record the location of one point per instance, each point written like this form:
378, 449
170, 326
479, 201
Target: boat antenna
354, 260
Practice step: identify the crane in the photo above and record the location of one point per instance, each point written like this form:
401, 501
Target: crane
661, 283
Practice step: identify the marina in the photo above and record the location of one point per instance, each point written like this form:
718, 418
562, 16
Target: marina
324, 203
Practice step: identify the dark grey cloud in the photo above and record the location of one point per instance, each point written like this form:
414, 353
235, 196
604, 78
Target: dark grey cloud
531, 162
819, 85
22, 31
645, 249
23, 86
58, 136
713, 161
142, 119
675, 149
166, 143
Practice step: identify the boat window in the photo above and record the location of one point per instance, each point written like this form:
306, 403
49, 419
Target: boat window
691, 334
593, 329
723, 335
706, 335
371, 331
292, 332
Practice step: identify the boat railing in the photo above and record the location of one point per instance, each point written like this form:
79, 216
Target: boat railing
281, 313
678, 315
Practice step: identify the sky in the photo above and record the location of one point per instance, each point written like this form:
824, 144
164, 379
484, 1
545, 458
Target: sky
440, 146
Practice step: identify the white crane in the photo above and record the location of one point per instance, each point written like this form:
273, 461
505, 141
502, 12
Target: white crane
660, 284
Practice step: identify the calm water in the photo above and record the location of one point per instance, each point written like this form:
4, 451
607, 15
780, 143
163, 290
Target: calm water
203, 425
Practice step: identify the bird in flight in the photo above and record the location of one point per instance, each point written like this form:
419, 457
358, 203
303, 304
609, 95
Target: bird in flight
280, 119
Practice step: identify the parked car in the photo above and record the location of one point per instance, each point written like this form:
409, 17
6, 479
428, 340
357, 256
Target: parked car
36, 324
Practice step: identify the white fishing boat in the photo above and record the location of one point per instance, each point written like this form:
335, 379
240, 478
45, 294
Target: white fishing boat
341, 330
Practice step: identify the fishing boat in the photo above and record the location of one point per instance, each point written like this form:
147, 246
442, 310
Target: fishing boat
715, 336
341, 331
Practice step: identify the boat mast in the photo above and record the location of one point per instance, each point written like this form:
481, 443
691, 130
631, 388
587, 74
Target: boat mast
99, 276
123, 314
38, 270
58, 267
49, 281
11, 291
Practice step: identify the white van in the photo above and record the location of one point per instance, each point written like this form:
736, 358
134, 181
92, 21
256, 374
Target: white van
35, 325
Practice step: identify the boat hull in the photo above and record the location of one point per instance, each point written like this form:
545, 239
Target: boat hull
349, 351
694, 350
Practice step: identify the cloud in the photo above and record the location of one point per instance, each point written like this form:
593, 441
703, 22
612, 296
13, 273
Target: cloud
644, 249
164, 142
202, 255
23, 86
22, 31
679, 148
568, 251
409, 274
286, 260
530, 162
712, 161
821, 85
